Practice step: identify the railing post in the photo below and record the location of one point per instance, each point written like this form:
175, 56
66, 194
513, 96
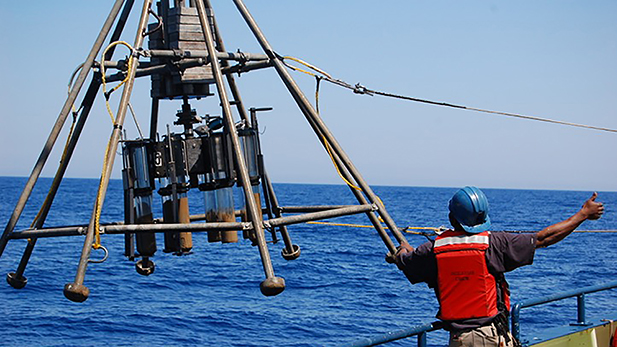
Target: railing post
422, 339
516, 325
580, 309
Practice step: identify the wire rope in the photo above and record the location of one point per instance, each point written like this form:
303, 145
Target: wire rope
360, 89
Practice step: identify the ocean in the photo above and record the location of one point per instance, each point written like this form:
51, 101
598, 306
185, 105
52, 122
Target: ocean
339, 290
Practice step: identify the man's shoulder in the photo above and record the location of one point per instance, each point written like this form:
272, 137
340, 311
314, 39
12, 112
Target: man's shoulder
508, 251
507, 237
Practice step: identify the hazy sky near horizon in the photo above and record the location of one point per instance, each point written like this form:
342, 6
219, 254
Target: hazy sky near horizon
552, 59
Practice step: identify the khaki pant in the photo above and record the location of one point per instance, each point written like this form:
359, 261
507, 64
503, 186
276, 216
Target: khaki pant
483, 336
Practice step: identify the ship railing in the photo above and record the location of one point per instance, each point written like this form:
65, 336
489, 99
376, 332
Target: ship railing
580, 301
421, 330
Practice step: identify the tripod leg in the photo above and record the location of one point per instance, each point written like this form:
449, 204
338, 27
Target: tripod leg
291, 251
76, 291
312, 116
272, 285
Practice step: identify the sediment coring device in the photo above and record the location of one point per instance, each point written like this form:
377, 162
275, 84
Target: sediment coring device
186, 62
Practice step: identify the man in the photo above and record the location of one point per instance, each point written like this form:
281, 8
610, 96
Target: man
465, 266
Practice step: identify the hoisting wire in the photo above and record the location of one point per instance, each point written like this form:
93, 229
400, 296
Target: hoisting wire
99, 196
360, 89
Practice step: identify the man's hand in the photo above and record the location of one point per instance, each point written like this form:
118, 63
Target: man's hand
393, 258
592, 209
404, 248
557, 232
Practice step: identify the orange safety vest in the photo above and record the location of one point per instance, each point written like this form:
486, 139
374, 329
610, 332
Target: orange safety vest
466, 289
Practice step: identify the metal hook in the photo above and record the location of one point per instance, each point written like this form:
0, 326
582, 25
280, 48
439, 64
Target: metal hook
104, 257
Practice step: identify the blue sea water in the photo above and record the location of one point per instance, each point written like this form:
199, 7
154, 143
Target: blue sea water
339, 290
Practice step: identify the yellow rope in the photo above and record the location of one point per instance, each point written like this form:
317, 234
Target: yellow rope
595, 231
99, 201
336, 166
130, 66
343, 178
409, 229
327, 145
314, 68
99, 196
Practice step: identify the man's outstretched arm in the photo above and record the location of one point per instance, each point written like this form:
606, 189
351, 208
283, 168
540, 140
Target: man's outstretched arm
557, 232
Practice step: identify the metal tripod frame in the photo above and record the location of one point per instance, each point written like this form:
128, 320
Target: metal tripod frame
368, 201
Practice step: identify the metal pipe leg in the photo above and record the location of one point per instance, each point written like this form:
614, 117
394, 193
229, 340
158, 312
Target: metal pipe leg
17, 279
53, 136
76, 291
291, 251
272, 285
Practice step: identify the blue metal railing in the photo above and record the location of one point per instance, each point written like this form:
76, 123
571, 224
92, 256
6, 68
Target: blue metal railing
580, 300
421, 330
418, 330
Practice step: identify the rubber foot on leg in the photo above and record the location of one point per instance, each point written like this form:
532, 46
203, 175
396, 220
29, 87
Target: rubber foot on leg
291, 255
15, 281
145, 267
272, 286
76, 292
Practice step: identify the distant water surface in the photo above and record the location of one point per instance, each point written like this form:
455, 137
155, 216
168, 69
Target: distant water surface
339, 290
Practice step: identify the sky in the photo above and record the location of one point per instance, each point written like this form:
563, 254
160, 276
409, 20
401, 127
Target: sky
552, 59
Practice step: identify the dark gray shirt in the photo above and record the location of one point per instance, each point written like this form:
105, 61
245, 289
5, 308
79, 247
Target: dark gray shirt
506, 252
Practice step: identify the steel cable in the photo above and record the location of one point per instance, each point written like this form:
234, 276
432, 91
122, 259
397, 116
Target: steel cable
360, 89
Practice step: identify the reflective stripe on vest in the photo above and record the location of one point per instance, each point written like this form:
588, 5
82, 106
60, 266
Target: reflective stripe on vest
461, 239
466, 289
